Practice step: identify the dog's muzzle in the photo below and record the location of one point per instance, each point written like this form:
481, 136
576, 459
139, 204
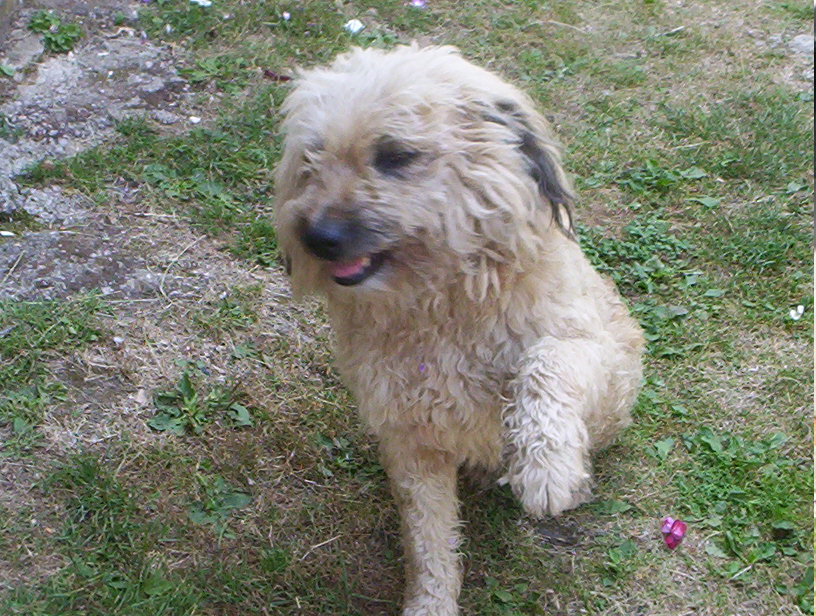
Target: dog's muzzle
343, 243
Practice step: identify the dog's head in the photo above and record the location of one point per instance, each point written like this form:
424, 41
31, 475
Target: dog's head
414, 167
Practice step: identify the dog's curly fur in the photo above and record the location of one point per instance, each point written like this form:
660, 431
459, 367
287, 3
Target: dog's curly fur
424, 197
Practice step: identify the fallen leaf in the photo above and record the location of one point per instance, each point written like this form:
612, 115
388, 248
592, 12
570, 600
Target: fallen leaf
269, 74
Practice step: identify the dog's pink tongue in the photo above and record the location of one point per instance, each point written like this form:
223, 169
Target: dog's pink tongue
347, 270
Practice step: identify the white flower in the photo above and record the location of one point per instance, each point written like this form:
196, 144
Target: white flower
286, 16
204, 3
796, 313
354, 26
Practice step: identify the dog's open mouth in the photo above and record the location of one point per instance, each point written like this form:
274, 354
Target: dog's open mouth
349, 273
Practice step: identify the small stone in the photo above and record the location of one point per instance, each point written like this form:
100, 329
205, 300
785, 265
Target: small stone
141, 397
165, 117
802, 43
24, 52
775, 40
153, 85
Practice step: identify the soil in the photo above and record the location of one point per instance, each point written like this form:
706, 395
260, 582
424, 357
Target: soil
57, 106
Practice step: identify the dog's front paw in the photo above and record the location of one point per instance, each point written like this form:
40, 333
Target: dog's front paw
549, 482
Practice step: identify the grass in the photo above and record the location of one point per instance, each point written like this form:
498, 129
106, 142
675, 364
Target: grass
30, 334
754, 135
257, 493
104, 547
236, 310
214, 177
8, 130
185, 408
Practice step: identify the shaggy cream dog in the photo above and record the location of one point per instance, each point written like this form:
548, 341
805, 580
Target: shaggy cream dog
424, 197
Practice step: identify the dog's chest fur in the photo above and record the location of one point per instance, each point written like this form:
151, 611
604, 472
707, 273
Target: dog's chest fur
442, 370
442, 364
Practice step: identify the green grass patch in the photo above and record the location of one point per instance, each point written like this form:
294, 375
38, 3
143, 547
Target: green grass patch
234, 311
59, 36
751, 493
31, 333
339, 455
215, 177
761, 255
217, 503
257, 241
758, 135
105, 539
651, 265
311, 30
8, 130
189, 406
647, 257
623, 74
798, 10
18, 222
230, 74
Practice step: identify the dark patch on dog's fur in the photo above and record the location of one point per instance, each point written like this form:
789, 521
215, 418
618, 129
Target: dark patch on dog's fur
541, 167
506, 106
543, 170
489, 117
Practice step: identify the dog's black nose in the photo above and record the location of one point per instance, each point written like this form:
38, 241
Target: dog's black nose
328, 238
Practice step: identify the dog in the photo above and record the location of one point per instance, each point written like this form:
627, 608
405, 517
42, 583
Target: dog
424, 197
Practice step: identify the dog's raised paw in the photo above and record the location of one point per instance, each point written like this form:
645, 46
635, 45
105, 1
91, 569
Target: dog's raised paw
551, 483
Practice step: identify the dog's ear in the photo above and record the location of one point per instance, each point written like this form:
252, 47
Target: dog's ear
541, 155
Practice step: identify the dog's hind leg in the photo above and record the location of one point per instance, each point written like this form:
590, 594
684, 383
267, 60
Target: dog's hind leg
423, 480
559, 403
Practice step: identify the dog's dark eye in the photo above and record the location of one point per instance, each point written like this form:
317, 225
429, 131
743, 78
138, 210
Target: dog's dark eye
391, 158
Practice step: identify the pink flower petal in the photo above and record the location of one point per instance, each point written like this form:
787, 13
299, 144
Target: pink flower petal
673, 532
679, 529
